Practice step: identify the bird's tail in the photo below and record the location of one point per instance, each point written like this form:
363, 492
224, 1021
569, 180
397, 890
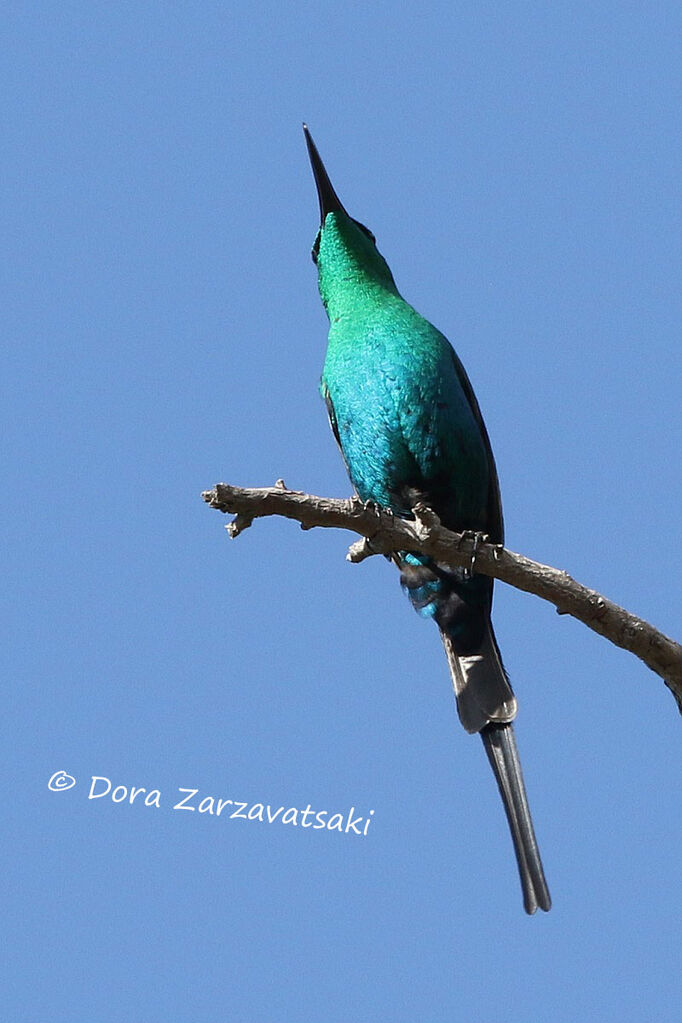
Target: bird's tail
500, 745
485, 700
484, 693
460, 605
486, 704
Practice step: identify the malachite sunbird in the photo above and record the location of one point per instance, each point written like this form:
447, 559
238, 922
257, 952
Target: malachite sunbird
409, 428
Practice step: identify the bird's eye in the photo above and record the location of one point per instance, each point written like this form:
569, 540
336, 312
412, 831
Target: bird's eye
316, 248
366, 230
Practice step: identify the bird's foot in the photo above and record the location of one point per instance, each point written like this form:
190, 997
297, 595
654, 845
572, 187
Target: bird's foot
365, 547
357, 504
477, 538
372, 506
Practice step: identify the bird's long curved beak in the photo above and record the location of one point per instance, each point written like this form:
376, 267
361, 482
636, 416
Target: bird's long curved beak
329, 200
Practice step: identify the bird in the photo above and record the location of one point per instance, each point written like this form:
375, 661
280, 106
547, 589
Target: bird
411, 433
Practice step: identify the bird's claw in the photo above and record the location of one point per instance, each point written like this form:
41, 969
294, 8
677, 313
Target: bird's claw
477, 538
372, 506
358, 505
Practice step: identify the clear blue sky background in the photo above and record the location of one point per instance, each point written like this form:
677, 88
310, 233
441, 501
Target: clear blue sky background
520, 166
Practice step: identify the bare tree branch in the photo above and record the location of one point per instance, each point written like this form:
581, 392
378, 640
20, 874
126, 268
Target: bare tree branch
382, 532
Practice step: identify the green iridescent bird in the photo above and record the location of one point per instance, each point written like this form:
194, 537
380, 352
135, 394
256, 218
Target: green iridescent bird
410, 430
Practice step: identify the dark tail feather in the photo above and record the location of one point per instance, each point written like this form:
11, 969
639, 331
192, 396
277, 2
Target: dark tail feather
481, 686
500, 745
460, 605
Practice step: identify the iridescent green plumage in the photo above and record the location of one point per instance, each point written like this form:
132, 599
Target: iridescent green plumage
410, 430
398, 392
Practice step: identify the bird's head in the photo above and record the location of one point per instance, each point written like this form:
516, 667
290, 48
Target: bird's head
345, 250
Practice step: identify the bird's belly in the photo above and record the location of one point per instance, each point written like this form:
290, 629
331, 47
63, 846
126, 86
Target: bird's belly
403, 436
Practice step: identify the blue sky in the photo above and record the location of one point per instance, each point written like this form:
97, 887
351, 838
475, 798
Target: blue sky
519, 164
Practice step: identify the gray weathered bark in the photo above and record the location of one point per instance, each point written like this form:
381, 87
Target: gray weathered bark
382, 532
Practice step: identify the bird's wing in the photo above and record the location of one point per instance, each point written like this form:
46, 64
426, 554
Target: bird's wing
332, 414
335, 427
495, 526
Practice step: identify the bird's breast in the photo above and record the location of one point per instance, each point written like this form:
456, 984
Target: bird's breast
404, 422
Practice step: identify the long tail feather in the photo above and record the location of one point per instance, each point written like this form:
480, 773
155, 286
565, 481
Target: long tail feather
460, 605
486, 704
500, 745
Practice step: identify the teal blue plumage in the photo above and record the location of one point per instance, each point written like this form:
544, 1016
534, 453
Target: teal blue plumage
410, 430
